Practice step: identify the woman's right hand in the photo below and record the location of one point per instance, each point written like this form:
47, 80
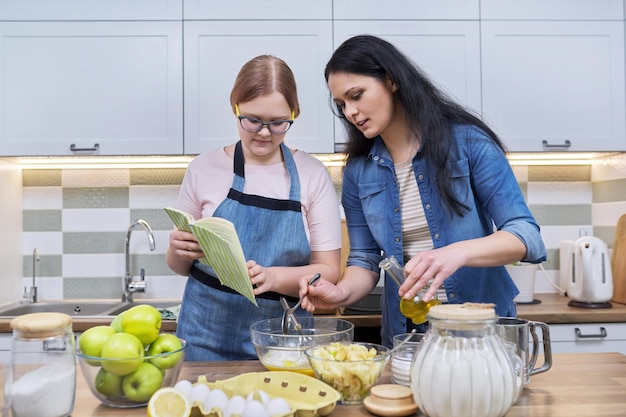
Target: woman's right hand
322, 295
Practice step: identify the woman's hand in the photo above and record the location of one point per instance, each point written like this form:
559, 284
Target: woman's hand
322, 294
185, 246
431, 266
497, 249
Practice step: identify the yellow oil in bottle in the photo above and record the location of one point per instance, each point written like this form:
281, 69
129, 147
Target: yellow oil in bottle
416, 310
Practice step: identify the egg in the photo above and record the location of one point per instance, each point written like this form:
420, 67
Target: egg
235, 406
255, 408
217, 400
259, 395
278, 407
199, 392
184, 386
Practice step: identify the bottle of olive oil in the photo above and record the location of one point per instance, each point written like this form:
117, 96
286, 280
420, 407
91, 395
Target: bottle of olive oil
414, 309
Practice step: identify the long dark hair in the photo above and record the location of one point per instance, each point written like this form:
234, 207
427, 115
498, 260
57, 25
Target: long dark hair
430, 113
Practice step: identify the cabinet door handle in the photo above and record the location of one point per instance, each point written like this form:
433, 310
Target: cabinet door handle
548, 146
73, 148
579, 335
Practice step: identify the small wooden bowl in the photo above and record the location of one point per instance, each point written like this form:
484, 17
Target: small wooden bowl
390, 400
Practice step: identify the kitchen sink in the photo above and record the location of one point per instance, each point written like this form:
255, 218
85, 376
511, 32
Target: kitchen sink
157, 304
80, 308
73, 308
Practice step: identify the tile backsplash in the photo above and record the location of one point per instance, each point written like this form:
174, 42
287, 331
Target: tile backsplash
78, 220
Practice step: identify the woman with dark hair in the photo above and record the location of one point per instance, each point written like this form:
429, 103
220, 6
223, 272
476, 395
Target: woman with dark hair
283, 205
425, 181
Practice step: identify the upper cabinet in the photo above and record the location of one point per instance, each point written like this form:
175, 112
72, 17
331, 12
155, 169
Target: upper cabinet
554, 85
447, 51
552, 9
258, 10
108, 77
76, 88
214, 54
405, 9
30, 10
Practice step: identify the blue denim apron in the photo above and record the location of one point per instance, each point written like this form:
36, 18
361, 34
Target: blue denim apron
216, 321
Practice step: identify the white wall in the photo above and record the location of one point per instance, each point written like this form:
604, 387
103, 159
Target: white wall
10, 232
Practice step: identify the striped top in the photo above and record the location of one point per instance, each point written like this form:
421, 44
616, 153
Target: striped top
415, 232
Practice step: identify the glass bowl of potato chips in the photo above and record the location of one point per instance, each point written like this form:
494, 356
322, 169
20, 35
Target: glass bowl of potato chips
350, 368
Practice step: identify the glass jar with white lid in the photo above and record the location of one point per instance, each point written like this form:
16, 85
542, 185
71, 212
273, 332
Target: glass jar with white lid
44, 365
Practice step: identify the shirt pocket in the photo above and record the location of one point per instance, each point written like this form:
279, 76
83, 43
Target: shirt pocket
460, 181
372, 196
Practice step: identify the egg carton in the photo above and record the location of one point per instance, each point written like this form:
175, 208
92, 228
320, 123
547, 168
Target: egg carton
306, 396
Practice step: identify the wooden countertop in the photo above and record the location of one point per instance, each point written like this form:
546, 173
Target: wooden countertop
552, 309
588, 384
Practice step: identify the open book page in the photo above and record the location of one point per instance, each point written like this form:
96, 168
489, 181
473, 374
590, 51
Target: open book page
222, 249
180, 219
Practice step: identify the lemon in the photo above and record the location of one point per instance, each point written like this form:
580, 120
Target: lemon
169, 402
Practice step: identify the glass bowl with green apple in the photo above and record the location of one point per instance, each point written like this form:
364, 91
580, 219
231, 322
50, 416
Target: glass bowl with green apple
126, 362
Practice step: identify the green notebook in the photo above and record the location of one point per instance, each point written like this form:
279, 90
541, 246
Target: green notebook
222, 250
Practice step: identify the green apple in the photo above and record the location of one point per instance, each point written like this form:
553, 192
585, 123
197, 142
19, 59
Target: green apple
166, 342
91, 341
126, 349
117, 323
143, 321
109, 384
141, 384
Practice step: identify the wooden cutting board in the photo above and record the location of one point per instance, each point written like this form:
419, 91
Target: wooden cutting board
618, 262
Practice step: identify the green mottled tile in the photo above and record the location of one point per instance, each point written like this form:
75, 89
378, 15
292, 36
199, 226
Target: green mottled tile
561, 215
559, 173
93, 242
48, 266
97, 197
157, 176
42, 221
41, 177
154, 264
606, 233
156, 218
552, 262
607, 191
93, 287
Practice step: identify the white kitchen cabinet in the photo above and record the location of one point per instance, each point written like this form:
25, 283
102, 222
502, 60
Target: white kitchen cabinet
447, 51
5, 347
103, 88
588, 337
30, 10
555, 85
255, 10
405, 9
552, 9
214, 53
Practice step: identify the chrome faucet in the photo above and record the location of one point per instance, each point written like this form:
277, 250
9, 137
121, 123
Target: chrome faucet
128, 285
31, 294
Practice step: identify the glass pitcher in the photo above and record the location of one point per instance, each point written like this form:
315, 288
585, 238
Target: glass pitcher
462, 368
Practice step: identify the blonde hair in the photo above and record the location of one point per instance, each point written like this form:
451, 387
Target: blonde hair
264, 75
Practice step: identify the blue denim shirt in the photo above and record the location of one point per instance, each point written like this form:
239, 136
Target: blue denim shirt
481, 178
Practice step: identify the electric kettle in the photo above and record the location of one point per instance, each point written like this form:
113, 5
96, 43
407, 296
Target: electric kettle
590, 280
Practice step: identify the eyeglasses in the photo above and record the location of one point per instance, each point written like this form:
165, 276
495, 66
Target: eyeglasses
276, 127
